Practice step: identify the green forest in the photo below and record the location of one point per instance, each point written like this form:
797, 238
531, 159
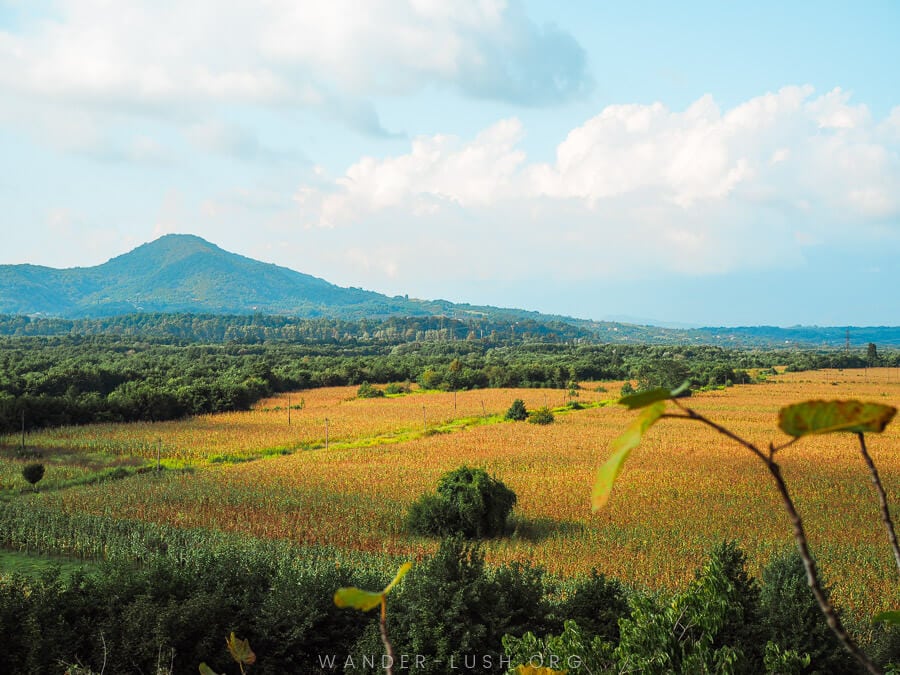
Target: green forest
161, 367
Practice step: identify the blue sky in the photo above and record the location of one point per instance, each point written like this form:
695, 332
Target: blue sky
703, 162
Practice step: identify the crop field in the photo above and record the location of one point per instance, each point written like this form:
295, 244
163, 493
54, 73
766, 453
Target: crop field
271, 429
683, 490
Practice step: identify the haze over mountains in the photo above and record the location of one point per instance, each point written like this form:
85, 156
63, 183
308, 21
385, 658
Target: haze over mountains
180, 273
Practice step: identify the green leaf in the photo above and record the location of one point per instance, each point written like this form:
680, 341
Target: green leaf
366, 600
206, 670
622, 447
645, 398
823, 417
357, 598
404, 568
240, 650
892, 618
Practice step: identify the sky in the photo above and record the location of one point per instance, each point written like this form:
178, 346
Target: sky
698, 163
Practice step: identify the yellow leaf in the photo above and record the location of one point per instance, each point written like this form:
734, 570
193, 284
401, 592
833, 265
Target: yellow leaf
542, 670
350, 596
240, 650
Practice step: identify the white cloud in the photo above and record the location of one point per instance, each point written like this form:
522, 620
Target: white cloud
635, 188
181, 59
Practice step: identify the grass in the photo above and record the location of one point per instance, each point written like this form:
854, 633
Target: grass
33, 565
64, 468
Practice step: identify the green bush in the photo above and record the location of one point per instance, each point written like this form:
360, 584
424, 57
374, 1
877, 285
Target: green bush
452, 607
33, 473
398, 388
366, 390
572, 650
793, 619
541, 416
468, 502
595, 603
517, 411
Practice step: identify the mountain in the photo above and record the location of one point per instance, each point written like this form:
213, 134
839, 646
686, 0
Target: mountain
181, 273
185, 274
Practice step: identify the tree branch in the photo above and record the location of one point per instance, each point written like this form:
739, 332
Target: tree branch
388, 648
809, 564
882, 499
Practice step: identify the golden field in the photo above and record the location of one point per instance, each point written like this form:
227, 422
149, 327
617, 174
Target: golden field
683, 490
269, 427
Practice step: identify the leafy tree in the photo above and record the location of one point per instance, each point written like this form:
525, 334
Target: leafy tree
596, 603
366, 390
571, 651
693, 633
517, 411
33, 472
469, 502
453, 607
667, 373
871, 355
792, 617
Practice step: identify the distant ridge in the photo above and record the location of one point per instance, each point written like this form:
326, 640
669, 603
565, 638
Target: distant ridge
185, 274
182, 273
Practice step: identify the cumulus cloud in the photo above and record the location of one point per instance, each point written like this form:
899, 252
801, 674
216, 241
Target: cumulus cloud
635, 188
180, 59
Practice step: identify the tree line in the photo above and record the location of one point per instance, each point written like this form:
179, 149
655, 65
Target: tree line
80, 379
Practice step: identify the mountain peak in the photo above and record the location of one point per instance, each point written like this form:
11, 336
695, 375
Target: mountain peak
171, 245
185, 273
181, 273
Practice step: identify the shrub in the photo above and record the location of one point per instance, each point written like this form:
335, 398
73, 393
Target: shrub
700, 630
517, 411
454, 609
468, 502
595, 604
366, 390
398, 388
627, 389
572, 649
792, 616
33, 473
541, 416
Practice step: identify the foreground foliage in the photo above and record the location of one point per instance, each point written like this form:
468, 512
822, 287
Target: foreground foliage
798, 420
450, 610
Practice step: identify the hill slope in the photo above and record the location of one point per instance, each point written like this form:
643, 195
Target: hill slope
184, 273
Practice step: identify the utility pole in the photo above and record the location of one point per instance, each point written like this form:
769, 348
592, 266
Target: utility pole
424, 422
289, 410
326, 433
23, 429
158, 453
